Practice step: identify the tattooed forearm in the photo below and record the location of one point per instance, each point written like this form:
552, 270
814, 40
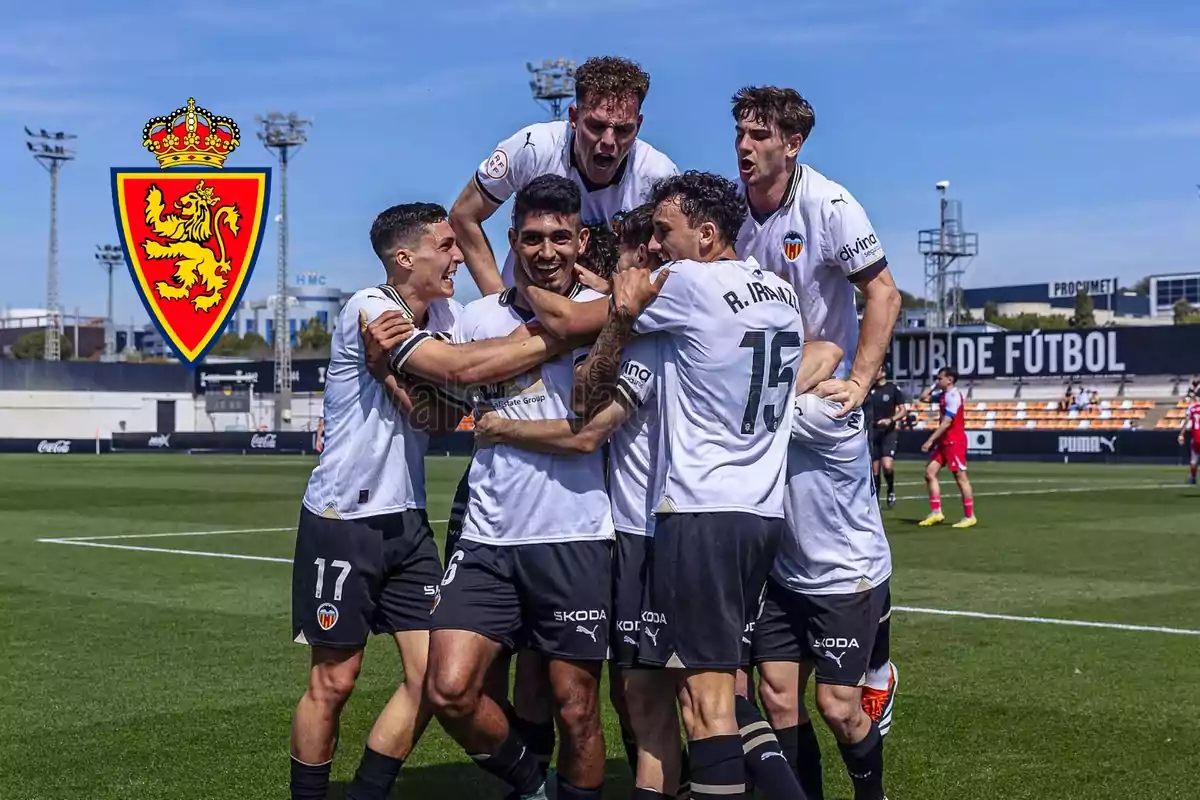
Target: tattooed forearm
596, 378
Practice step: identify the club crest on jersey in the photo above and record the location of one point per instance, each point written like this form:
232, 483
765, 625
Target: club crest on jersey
190, 230
327, 615
793, 245
497, 165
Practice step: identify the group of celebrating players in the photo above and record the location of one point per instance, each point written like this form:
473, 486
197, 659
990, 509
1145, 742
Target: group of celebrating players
672, 469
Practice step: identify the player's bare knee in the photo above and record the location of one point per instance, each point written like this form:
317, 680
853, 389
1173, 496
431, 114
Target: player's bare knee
451, 692
711, 713
780, 701
841, 708
579, 706
331, 682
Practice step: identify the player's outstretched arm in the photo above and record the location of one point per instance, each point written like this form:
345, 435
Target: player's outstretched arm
485, 361
818, 363
467, 215
565, 318
556, 436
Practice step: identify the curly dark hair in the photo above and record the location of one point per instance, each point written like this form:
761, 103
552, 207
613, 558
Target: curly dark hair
546, 193
636, 226
705, 197
400, 224
770, 105
610, 77
601, 254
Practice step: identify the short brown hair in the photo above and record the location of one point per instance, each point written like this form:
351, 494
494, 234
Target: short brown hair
610, 77
770, 105
636, 226
601, 254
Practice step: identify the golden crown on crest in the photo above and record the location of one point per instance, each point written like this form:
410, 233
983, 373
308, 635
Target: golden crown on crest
191, 136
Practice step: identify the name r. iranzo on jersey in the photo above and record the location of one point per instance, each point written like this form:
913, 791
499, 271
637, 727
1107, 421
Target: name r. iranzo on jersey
864, 246
758, 293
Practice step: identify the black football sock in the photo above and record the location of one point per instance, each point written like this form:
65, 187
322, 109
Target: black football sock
890, 475
513, 763
648, 794
718, 768
538, 736
766, 765
864, 763
310, 781
567, 791
808, 761
631, 750
375, 777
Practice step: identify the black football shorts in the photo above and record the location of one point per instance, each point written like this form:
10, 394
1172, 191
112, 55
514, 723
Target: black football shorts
844, 635
355, 577
553, 598
704, 588
630, 566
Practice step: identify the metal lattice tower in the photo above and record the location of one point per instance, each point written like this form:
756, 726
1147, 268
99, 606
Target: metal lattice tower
942, 247
108, 256
280, 134
52, 156
552, 83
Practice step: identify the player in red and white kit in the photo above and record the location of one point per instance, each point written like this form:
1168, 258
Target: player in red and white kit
1191, 421
947, 446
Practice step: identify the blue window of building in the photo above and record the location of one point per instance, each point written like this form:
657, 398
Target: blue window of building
324, 317
270, 337
249, 327
292, 331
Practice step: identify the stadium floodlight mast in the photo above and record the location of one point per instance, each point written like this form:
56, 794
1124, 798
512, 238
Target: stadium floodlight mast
50, 151
552, 83
281, 134
108, 256
942, 247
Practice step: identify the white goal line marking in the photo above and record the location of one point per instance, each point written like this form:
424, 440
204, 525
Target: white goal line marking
1117, 626
239, 556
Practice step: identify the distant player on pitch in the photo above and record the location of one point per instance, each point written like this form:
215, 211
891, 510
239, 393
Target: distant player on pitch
885, 408
947, 447
1191, 419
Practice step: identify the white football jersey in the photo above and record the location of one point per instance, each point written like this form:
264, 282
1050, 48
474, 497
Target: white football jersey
835, 542
373, 461
544, 148
519, 496
821, 242
633, 447
733, 337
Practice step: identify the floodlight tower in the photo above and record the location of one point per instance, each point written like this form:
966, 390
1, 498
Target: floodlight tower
51, 156
108, 256
942, 247
552, 83
280, 134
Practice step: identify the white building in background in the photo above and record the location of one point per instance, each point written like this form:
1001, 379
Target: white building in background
309, 296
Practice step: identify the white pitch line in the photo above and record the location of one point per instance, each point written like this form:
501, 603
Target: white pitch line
165, 550
1067, 490
1117, 626
64, 539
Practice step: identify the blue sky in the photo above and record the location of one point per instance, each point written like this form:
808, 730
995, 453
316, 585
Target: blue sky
1069, 130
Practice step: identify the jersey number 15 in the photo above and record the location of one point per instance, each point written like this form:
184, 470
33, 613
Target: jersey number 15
780, 376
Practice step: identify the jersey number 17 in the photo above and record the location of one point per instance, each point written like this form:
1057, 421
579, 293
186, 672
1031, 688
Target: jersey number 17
780, 376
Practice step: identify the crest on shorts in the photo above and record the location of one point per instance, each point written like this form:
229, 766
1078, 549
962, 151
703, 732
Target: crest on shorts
327, 616
190, 229
793, 245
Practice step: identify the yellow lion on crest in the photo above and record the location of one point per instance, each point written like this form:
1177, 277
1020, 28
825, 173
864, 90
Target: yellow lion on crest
189, 233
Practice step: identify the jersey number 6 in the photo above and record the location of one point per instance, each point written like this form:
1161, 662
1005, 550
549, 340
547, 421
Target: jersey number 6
780, 375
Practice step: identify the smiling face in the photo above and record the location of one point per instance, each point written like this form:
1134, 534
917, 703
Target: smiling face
605, 130
432, 261
546, 246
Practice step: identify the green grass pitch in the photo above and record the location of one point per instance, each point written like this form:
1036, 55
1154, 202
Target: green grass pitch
145, 674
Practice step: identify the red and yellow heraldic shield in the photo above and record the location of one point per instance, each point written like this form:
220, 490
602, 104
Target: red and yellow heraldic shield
191, 229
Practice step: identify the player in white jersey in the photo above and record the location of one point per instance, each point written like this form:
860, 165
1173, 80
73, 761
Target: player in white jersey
813, 232
533, 564
365, 560
828, 600
718, 498
597, 147
627, 421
